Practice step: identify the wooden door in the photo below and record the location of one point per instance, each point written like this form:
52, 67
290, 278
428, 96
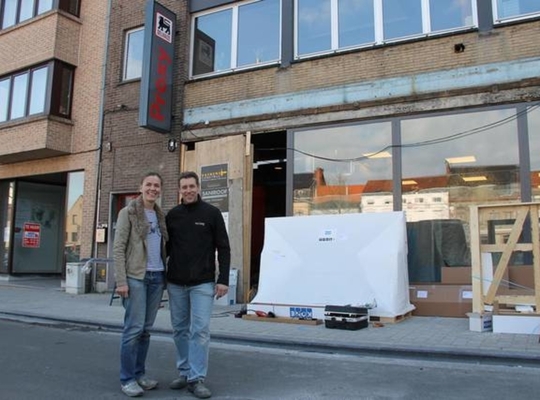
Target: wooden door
236, 153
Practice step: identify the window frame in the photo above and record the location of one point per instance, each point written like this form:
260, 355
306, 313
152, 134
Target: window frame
378, 21
70, 6
521, 17
233, 63
127, 34
53, 90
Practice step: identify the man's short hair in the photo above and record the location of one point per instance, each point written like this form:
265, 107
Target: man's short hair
187, 175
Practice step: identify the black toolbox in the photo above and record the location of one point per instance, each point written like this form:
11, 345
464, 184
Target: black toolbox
346, 317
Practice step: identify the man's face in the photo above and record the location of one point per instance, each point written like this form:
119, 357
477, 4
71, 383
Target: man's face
189, 190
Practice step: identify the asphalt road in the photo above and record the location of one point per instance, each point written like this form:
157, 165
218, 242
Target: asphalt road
62, 362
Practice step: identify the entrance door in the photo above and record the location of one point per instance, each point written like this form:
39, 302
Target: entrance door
235, 153
39, 228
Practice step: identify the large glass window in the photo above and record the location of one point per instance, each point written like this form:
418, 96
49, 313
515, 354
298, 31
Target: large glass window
133, 54
236, 36
28, 92
74, 216
332, 179
512, 9
16, 11
533, 119
332, 25
4, 99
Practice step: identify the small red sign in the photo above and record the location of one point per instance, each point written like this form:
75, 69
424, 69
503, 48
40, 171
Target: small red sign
31, 235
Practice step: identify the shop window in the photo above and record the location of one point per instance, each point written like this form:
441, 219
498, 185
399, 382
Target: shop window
133, 54
505, 10
27, 93
13, 12
74, 220
239, 36
332, 25
348, 177
533, 121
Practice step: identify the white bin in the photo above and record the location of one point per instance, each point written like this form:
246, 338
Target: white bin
230, 298
75, 278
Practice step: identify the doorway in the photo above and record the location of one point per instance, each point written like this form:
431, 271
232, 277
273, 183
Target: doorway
269, 191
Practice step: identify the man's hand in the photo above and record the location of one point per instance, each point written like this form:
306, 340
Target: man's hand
221, 290
123, 291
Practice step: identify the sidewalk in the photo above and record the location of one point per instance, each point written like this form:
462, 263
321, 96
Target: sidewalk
416, 336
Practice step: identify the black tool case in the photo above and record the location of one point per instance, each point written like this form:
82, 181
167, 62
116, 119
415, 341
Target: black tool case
346, 317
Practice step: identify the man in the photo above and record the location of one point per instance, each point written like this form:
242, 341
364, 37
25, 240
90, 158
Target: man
196, 230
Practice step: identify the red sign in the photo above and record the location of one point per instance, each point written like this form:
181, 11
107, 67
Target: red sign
31, 235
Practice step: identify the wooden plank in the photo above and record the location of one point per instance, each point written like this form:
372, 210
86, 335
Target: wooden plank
509, 299
284, 320
476, 261
390, 320
498, 248
247, 219
507, 253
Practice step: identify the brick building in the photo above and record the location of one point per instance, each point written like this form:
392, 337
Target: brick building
330, 106
51, 83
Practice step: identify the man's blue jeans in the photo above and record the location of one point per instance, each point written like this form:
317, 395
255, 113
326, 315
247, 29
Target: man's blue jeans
141, 309
191, 311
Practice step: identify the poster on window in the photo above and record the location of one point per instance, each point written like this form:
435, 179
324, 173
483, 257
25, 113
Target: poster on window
31, 235
215, 186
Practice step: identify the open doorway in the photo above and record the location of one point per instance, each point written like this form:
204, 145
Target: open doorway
269, 191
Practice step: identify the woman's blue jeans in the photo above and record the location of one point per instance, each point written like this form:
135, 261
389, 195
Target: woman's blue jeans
141, 309
191, 311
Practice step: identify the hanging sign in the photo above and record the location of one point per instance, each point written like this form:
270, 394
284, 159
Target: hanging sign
31, 235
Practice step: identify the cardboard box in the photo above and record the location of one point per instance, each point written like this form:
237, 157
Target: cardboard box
441, 300
456, 275
521, 276
480, 322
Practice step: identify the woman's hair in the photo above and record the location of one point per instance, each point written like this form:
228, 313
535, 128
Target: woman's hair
152, 174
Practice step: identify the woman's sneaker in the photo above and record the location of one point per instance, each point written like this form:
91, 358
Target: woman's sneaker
132, 389
199, 390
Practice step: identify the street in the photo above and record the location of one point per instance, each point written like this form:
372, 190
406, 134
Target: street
62, 362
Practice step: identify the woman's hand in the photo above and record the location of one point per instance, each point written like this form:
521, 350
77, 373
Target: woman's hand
123, 291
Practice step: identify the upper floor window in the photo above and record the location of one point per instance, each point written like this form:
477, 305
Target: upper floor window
513, 9
13, 12
44, 89
133, 54
242, 35
331, 25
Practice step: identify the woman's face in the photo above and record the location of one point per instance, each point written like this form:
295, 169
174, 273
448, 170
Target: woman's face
151, 188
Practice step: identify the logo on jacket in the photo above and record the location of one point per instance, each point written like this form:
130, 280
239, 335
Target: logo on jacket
200, 223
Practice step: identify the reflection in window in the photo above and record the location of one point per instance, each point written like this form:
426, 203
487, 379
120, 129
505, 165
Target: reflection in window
402, 18
17, 11
133, 54
533, 119
18, 96
507, 9
38, 91
314, 26
356, 23
450, 14
7, 192
75, 196
346, 174
258, 33
4, 99
9, 17
239, 36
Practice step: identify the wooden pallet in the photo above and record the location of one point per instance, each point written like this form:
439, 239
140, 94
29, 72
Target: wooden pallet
251, 317
390, 320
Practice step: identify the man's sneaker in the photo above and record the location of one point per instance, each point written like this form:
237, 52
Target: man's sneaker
199, 390
132, 389
147, 383
179, 383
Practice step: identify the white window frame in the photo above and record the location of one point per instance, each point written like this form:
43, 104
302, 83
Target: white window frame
378, 21
234, 42
126, 51
498, 20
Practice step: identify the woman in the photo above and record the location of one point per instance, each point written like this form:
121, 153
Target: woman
139, 264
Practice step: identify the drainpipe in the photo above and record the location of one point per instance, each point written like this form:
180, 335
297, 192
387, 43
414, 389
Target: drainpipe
100, 129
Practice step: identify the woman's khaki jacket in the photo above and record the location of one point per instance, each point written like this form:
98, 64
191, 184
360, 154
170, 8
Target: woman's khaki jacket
130, 245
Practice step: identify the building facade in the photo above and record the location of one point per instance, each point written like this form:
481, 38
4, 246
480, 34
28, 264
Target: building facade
51, 83
335, 106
